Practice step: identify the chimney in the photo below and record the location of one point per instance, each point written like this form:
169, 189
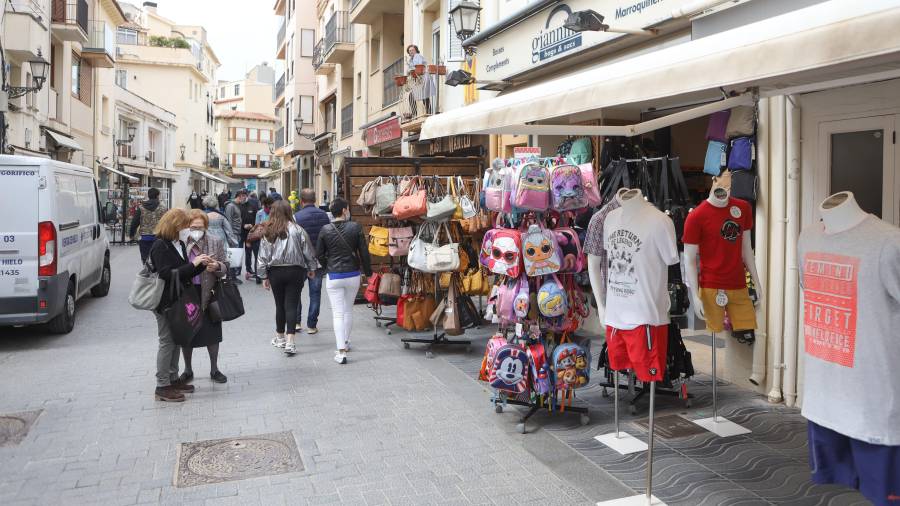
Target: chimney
150, 7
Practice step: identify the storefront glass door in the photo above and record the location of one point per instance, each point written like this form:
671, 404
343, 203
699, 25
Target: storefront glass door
861, 154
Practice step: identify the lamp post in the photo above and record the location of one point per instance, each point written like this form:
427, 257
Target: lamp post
39, 67
182, 148
465, 17
298, 126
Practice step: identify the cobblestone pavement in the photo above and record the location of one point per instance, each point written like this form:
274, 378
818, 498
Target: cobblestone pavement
392, 427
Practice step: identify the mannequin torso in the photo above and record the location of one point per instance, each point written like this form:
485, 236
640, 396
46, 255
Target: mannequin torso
841, 212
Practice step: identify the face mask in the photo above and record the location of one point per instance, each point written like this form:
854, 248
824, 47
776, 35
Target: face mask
196, 235
183, 234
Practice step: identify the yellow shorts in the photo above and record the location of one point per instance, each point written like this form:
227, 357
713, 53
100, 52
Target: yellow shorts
740, 310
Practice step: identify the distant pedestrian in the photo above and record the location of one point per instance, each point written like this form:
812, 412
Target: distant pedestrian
285, 254
195, 201
210, 334
254, 200
273, 193
223, 199
233, 216
312, 219
255, 236
343, 251
248, 220
145, 219
167, 255
219, 227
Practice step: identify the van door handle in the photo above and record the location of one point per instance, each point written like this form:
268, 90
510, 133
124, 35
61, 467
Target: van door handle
70, 225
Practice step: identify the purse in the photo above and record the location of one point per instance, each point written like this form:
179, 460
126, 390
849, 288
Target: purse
398, 241
452, 323
416, 258
228, 299
379, 241
442, 209
385, 196
440, 258
741, 122
371, 293
389, 289
184, 315
411, 204
257, 232
146, 289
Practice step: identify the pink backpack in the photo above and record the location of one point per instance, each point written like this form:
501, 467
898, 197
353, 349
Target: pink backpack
540, 252
573, 257
490, 353
522, 300
590, 184
567, 188
497, 186
506, 300
501, 252
532, 188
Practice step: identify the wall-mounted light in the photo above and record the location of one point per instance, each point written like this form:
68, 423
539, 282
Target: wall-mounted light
182, 148
591, 21
298, 126
465, 17
39, 67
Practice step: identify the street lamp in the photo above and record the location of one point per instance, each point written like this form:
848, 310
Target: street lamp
39, 67
298, 126
591, 21
465, 16
182, 148
271, 146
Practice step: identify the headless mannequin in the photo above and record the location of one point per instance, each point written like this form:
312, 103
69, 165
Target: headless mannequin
840, 212
718, 197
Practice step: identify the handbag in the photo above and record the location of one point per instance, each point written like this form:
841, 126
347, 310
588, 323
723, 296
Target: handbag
367, 194
717, 128
417, 249
146, 289
389, 289
234, 257
398, 241
371, 293
590, 184
184, 315
744, 185
715, 158
452, 323
741, 155
441, 209
741, 122
379, 241
439, 258
229, 302
257, 232
385, 196
411, 204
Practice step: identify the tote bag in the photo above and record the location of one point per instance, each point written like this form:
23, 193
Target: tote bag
147, 289
441, 258
184, 315
416, 257
229, 300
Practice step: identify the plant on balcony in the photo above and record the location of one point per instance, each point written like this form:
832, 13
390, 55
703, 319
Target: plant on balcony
173, 42
399, 80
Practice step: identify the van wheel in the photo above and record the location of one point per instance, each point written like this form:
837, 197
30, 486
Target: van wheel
65, 321
102, 289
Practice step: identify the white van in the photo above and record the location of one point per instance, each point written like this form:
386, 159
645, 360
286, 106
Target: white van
53, 245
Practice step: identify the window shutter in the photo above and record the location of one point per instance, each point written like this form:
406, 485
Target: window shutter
84, 82
232, 135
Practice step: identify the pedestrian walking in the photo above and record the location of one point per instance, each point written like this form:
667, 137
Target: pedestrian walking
219, 227
210, 334
273, 193
257, 231
233, 216
195, 201
312, 219
223, 199
342, 250
248, 220
285, 254
167, 255
146, 217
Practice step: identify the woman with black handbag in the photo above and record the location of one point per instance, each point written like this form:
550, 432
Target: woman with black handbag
206, 283
169, 259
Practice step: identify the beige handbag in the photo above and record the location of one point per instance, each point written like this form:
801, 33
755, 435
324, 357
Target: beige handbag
440, 258
390, 285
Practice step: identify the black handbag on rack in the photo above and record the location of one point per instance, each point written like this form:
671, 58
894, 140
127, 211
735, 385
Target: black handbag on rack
675, 201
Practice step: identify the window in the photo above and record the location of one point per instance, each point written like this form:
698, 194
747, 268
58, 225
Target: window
104, 108
153, 144
265, 161
122, 78
240, 134
222, 92
288, 119
126, 36
81, 79
241, 161
306, 109
76, 75
53, 64
307, 41
190, 89
252, 134
359, 84
237, 89
374, 54
125, 149
265, 135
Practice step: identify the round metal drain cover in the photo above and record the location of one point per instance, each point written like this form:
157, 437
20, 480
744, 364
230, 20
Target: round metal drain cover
11, 428
240, 457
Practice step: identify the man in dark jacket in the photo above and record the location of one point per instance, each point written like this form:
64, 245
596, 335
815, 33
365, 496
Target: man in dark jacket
248, 218
233, 217
311, 219
146, 216
274, 195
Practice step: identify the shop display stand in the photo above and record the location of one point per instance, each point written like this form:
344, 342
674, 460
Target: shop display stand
500, 400
716, 424
638, 392
622, 442
437, 339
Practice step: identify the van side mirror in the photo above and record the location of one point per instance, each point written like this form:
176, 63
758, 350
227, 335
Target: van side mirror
110, 214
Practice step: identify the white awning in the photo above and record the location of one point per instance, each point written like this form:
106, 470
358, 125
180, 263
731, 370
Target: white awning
119, 172
826, 41
270, 174
210, 176
63, 140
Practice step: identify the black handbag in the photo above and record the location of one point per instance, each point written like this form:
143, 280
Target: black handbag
229, 303
184, 315
675, 203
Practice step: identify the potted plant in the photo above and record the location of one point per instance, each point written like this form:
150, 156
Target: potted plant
420, 69
399, 80
442, 70
432, 69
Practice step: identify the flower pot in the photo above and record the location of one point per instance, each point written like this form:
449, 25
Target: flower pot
412, 73
399, 80
442, 70
420, 69
432, 69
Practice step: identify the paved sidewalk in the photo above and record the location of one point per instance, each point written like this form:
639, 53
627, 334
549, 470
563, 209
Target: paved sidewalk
392, 427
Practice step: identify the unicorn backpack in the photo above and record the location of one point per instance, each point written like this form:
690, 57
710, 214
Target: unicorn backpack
532, 187
540, 252
552, 299
567, 188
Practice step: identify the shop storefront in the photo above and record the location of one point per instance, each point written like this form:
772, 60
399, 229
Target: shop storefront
384, 138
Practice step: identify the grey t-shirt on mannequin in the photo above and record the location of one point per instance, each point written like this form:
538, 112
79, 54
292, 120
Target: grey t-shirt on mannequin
851, 329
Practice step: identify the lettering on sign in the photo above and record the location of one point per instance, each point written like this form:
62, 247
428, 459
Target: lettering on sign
830, 306
552, 42
384, 132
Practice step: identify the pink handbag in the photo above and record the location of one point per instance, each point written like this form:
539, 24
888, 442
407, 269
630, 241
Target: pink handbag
412, 204
590, 184
398, 240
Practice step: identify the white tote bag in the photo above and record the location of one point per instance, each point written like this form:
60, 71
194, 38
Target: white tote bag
234, 257
416, 258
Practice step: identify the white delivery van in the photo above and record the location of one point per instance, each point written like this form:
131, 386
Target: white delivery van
53, 245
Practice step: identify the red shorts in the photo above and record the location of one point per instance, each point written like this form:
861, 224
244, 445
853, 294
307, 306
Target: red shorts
627, 349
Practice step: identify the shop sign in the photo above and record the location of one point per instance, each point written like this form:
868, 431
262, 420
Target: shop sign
504, 55
526, 151
383, 132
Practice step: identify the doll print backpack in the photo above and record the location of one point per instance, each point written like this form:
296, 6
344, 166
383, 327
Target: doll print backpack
510, 369
497, 184
567, 188
540, 253
522, 299
532, 187
501, 252
552, 299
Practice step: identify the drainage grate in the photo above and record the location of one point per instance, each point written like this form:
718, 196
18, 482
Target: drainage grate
671, 426
15, 426
239, 458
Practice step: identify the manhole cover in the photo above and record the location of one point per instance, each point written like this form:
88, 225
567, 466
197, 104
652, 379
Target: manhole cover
14, 426
671, 426
230, 459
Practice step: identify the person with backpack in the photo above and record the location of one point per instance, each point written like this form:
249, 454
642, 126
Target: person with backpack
146, 217
312, 219
285, 255
343, 251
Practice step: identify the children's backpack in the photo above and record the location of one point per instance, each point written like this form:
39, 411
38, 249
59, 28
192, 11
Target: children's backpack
497, 184
567, 188
522, 299
501, 252
506, 300
490, 353
591, 185
571, 365
573, 257
532, 187
510, 369
540, 253
541, 379
551, 298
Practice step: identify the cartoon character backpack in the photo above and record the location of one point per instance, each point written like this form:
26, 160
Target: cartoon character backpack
510, 370
506, 300
551, 298
501, 252
571, 365
573, 257
540, 369
490, 353
540, 253
532, 187
497, 183
522, 299
567, 188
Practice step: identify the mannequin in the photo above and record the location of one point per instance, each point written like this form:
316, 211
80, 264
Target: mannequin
840, 212
595, 263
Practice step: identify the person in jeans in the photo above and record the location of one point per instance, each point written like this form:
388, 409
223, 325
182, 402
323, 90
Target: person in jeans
285, 255
248, 220
342, 250
312, 219
146, 216
168, 255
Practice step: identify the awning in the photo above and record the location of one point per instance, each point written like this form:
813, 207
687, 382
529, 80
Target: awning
826, 41
209, 176
270, 174
119, 172
63, 141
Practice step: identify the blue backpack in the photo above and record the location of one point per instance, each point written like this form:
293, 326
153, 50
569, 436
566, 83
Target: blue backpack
571, 365
510, 369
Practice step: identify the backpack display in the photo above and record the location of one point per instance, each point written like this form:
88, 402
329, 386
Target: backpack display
509, 372
506, 300
541, 381
551, 298
532, 187
567, 188
490, 353
501, 252
497, 185
571, 365
522, 299
540, 253
573, 257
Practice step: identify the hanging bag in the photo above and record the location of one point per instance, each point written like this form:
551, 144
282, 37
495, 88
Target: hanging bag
452, 323
590, 184
715, 158
440, 258
371, 293
184, 315
741, 122
398, 240
146, 289
416, 258
567, 190
411, 204
441, 206
501, 251
389, 288
540, 252
509, 372
366, 197
378, 241
741, 155
717, 128
228, 299
532, 187
571, 365
497, 187
385, 196
551, 298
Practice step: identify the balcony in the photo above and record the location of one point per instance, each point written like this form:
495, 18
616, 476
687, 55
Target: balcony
279, 91
366, 12
69, 20
347, 121
26, 21
420, 98
391, 92
279, 138
338, 41
319, 66
100, 47
280, 40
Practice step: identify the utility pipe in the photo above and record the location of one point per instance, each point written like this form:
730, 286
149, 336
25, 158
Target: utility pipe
758, 370
792, 233
775, 323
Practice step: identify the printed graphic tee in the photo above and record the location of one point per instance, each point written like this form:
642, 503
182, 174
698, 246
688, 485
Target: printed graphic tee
593, 241
718, 232
640, 245
851, 329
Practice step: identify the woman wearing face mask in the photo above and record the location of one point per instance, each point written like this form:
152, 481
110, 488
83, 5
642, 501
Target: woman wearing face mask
343, 251
218, 224
168, 255
200, 243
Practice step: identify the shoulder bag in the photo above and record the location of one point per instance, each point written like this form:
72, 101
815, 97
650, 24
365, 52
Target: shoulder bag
385, 195
379, 241
440, 258
417, 248
228, 299
147, 289
443, 207
184, 315
411, 203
